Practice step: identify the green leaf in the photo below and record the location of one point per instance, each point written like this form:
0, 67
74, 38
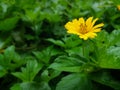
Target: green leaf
114, 38
16, 87
47, 75
72, 41
104, 77
30, 86
102, 39
57, 42
70, 64
31, 15
75, 50
8, 24
2, 71
10, 60
4, 40
9, 54
7, 57
67, 42
77, 81
45, 55
35, 86
109, 58
29, 72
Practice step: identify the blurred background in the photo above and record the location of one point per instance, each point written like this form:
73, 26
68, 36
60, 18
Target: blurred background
26, 23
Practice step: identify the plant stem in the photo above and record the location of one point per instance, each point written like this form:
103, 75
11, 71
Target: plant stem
83, 48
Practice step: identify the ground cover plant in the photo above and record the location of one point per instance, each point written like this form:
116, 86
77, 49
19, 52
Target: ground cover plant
59, 44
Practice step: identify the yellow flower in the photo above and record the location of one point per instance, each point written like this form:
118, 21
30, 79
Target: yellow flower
85, 29
118, 7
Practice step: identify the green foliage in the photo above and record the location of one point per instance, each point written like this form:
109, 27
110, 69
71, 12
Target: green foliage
66, 42
37, 54
70, 64
105, 78
76, 81
9, 60
45, 55
28, 73
16, 87
8, 24
110, 58
31, 86
35, 86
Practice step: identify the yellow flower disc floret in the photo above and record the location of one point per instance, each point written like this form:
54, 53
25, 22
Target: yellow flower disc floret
85, 29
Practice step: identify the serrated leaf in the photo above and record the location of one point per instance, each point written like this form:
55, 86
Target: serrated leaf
76, 81
64, 63
105, 78
75, 50
16, 87
4, 40
45, 55
29, 72
8, 24
35, 86
2, 71
57, 42
10, 60
114, 38
110, 58
47, 75
72, 41
102, 38
9, 53
7, 58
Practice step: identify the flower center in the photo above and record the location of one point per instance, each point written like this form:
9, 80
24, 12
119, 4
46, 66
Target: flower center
83, 28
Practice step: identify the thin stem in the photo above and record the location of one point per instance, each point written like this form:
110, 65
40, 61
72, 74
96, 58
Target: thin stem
83, 48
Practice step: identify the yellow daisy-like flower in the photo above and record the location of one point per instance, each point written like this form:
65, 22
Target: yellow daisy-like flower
85, 29
118, 7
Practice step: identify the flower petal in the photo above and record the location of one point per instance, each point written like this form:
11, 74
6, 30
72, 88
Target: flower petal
72, 27
92, 35
81, 20
94, 22
97, 30
97, 26
89, 21
85, 37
